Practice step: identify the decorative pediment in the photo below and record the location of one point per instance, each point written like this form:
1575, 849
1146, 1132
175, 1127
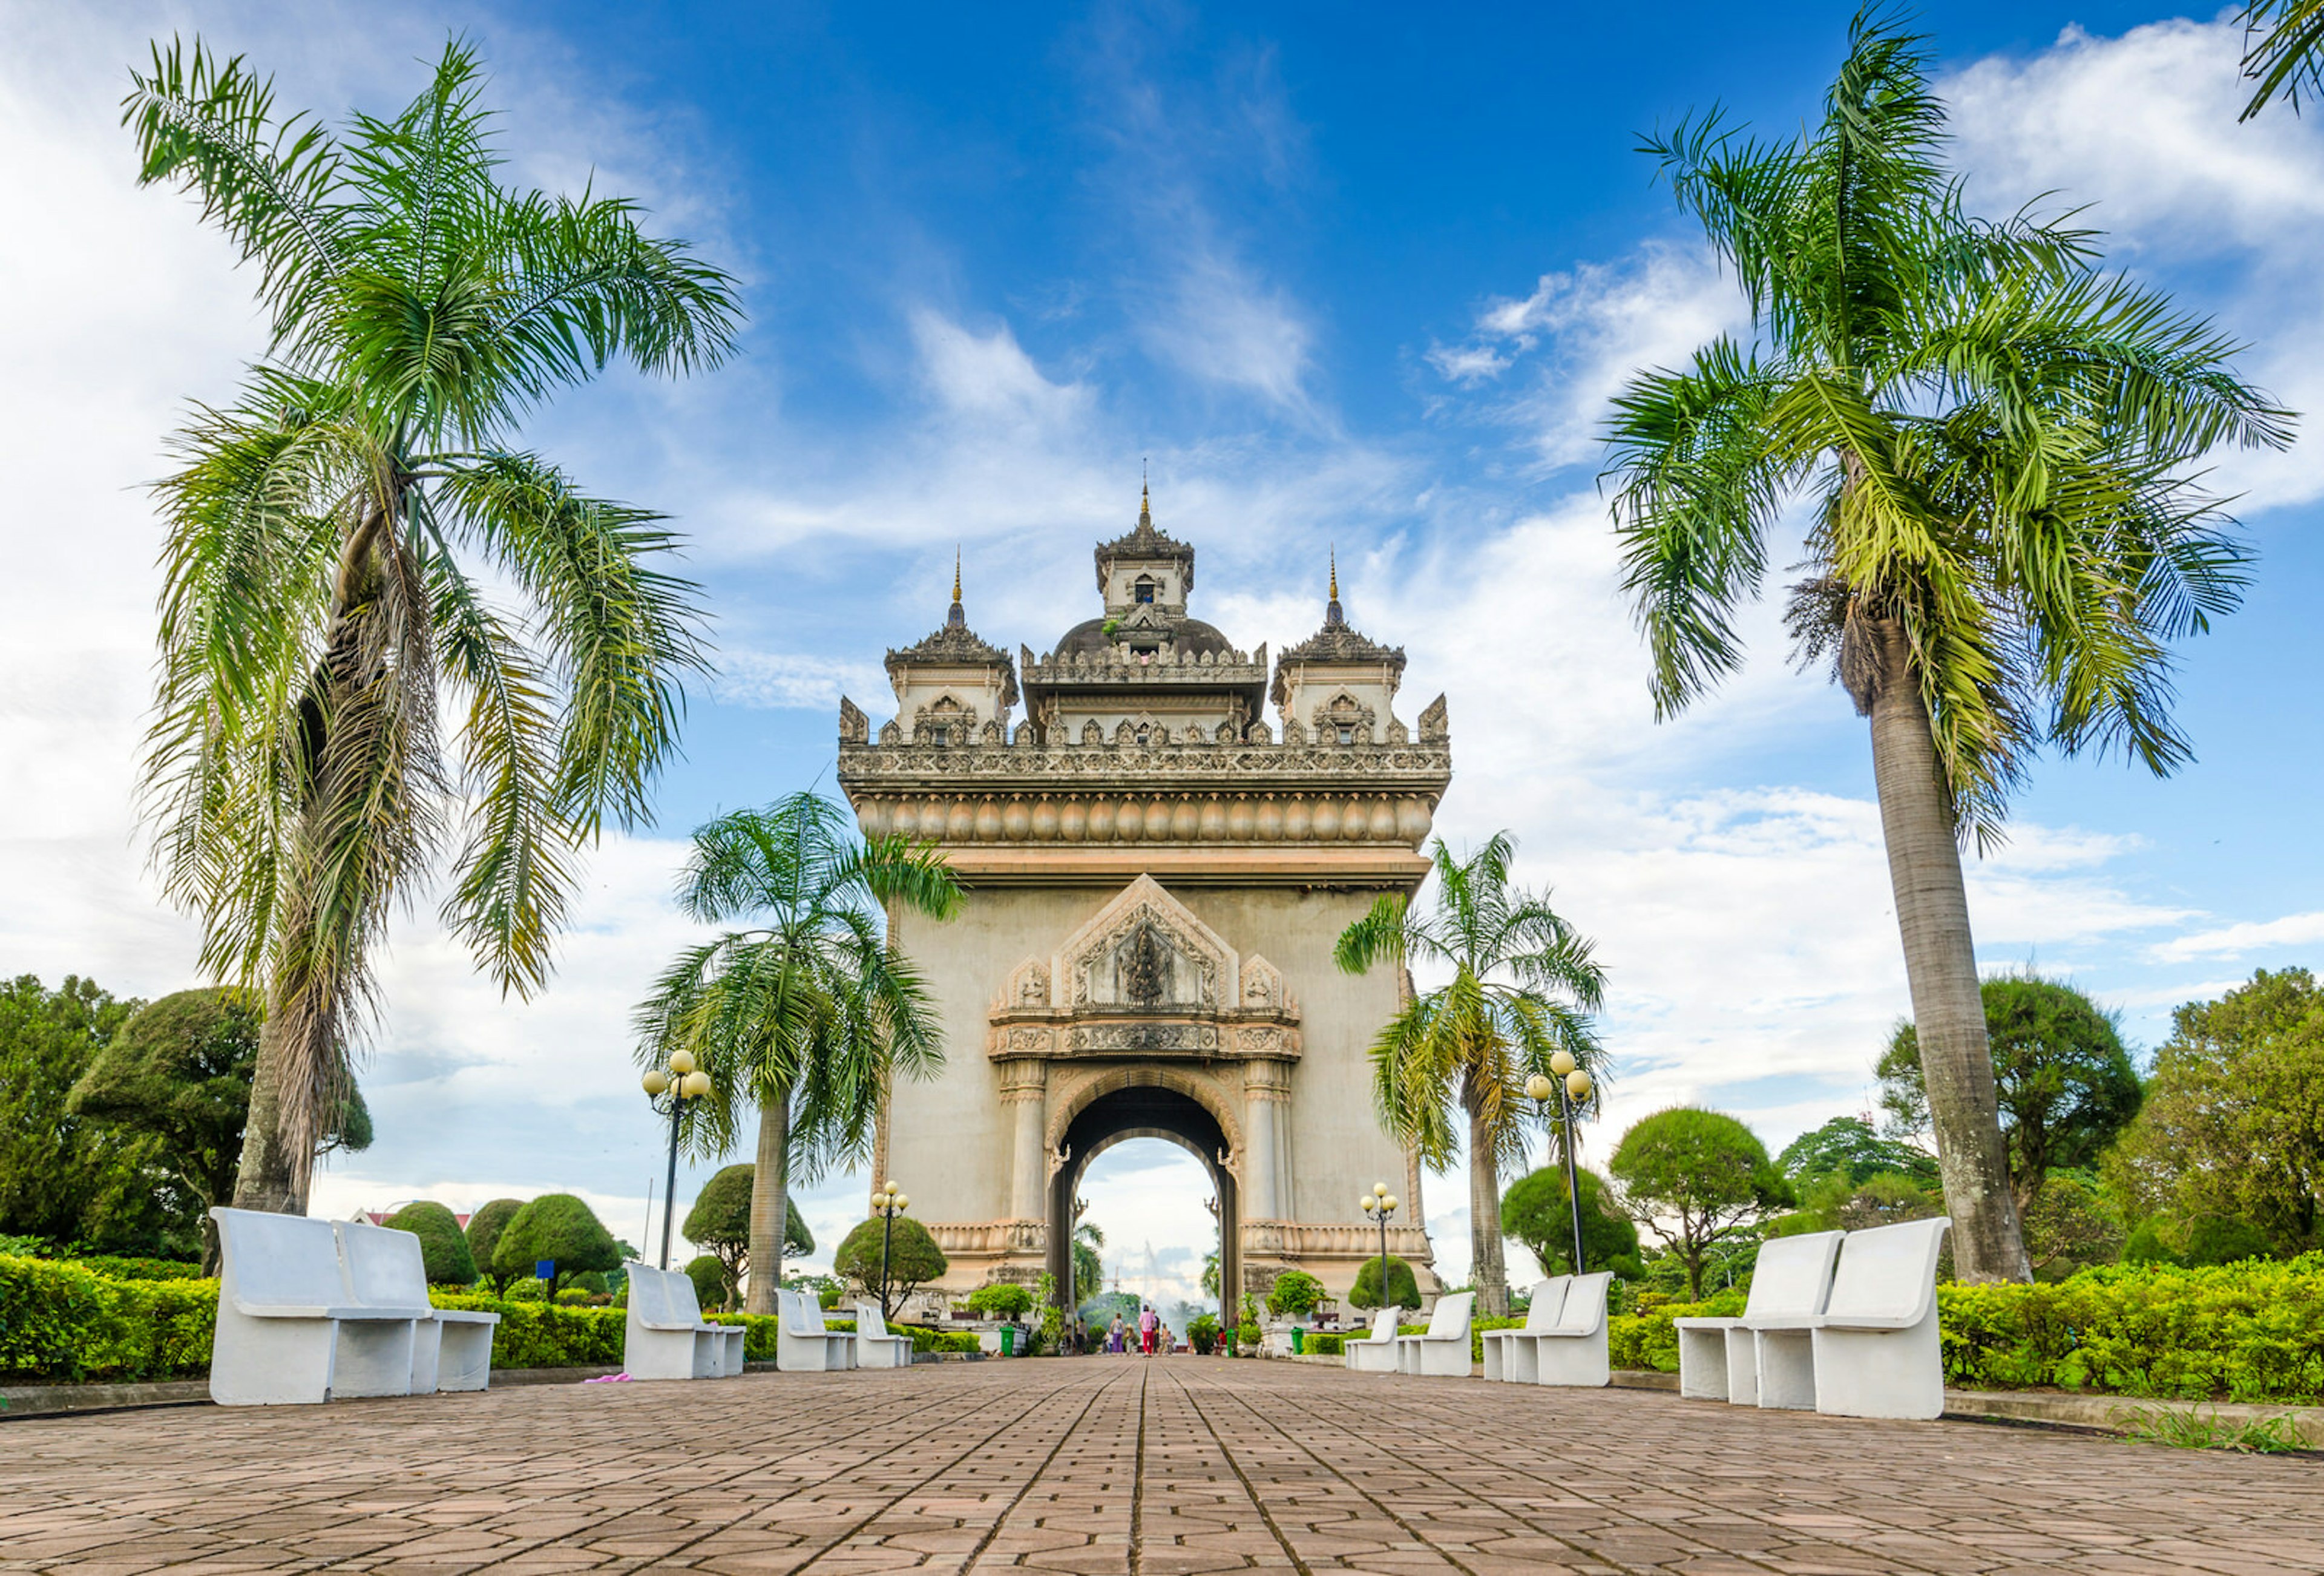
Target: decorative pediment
1027, 987
1262, 986
1144, 952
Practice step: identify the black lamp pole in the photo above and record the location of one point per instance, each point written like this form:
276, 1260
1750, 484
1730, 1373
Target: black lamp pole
668, 1088
1539, 1087
670, 1187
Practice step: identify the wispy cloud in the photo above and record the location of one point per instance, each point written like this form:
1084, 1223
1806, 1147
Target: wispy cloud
2243, 939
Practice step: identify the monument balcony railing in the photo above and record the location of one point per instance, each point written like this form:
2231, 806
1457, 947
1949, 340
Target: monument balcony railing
1328, 808
1297, 1240
1059, 1034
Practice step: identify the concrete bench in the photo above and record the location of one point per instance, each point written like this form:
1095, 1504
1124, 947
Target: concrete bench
451, 1348
875, 1347
1873, 1352
1573, 1350
1717, 1359
666, 1336
1510, 1354
291, 1332
1374, 1353
1443, 1349
801, 1341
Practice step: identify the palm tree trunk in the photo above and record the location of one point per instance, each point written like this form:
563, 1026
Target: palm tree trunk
769, 1206
266, 1179
1492, 1272
1916, 818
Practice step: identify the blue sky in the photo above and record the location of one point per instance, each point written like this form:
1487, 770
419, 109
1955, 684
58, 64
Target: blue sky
1355, 277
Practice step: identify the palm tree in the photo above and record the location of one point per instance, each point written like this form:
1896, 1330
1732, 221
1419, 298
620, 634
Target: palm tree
1089, 1267
808, 1014
1523, 987
2283, 51
1999, 546
329, 536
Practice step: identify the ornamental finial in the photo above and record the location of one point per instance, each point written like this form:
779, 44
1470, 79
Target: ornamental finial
955, 575
1335, 575
1332, 617
955, 618
1145, 507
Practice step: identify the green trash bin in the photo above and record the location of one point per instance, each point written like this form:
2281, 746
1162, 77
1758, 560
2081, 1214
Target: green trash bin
1299, 1340
1008, 1340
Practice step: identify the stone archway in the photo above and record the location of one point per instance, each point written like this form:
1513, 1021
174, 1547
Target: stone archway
1135, 1107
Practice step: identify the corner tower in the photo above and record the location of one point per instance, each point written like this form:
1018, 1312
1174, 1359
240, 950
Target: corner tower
1156, 882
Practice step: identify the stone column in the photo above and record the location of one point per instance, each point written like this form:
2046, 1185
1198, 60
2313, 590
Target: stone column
1024, 1085
1267, 1094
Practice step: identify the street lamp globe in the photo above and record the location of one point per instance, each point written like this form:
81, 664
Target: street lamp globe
655, 1081
1539, 1087
1371, 1203
1389, 1203
1577, 1084
681, 1062
1379, 1189
1561, 1063
696, 1085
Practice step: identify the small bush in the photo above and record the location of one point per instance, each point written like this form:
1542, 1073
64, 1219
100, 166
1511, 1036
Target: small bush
1202, 1333
1295, 1291
1328, 1345
560, 1227
1247, 1337
1404, 1290
1003, 1299
707, 1271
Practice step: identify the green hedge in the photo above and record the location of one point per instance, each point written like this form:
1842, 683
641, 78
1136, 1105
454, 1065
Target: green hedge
1321, 1345
61, 1320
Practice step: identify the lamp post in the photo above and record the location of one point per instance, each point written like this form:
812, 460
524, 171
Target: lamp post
1571, 1084
888, 1201
1380, 1204
669, 1089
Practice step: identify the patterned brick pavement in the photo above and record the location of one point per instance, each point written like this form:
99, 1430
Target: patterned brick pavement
1113, 1465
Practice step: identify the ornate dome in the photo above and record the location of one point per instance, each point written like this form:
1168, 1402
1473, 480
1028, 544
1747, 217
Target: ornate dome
1189, 635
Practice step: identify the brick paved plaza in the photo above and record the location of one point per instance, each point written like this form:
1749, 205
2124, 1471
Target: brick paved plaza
1102, 1465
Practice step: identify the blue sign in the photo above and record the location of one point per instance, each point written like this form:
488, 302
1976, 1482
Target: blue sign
544, 1269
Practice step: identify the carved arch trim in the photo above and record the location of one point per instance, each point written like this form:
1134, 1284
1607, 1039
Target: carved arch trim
1079, 1094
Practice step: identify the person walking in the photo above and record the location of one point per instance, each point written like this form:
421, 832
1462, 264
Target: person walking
1114, 1337
1149, 1323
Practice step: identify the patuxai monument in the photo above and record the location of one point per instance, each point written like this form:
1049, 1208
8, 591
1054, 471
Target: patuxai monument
1163, 839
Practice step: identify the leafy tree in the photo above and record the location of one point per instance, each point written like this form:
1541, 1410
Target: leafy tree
1295, 1291
914, 1260
1535, 1213
555, 1226
1522, 989
2233, 1126
1403, 1286
1089, 1269
1211, 1275
179, 1071
485, 1229
809, 1015
1993, 438
341, 539
2283, 51
66, 1175
1693, 1177
720, 1221
1101, 1310
441, 1244
1848, 1145
2065, 1084
711, 1289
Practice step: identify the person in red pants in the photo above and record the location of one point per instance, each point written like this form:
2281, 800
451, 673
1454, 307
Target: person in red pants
1149, 1323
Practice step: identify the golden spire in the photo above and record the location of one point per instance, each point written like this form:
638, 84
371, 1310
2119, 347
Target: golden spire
1145, 506
1335, 573
955, 574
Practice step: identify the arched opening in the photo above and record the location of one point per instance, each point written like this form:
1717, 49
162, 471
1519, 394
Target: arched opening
1142, 1111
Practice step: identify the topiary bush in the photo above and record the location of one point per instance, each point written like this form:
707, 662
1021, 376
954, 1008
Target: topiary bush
1323, 1345
913, 1257
1003, 1299
441, 1243
484, 1234
558, 1227
709, 1278
1404, 1290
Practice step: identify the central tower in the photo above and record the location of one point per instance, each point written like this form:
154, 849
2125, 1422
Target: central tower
1158, 874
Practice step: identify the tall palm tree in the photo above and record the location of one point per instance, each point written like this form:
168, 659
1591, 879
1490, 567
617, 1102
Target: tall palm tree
329, 536
1989, 434
1523, 988
1089, 1267
808, 1014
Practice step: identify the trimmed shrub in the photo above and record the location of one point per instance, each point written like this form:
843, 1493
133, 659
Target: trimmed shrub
558, 1227
485, 1229
1247, 1337
441, 1245
708, 1274
63, 1322
1404, 1291
914, 1260
116, 1268
1322, 1345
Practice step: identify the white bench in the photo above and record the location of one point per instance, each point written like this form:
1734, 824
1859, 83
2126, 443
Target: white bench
666, 1337
1572, 1351
1374, 1353
875, 1346
1873, 1352
1717, 1359
451, 1348
1442, 1350
801, 1341
1510, 1354
290, 1329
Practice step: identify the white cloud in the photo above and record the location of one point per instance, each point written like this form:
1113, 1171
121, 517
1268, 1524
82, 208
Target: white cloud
787, 681
2244, 939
